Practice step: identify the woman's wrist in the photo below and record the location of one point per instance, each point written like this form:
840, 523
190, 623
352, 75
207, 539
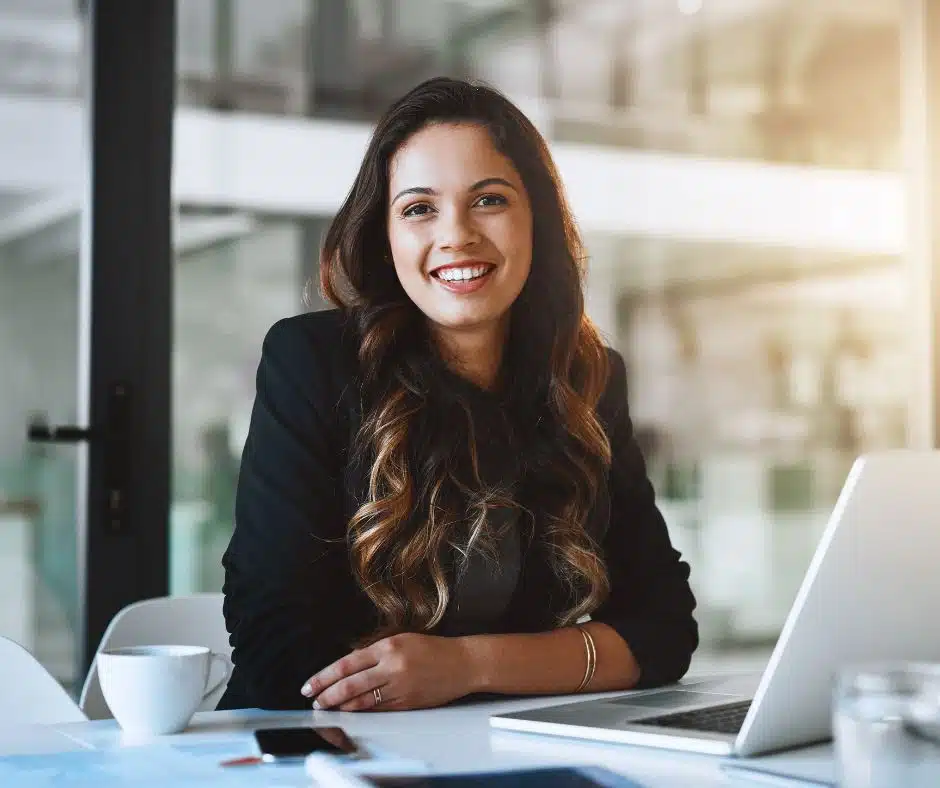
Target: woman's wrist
475, 662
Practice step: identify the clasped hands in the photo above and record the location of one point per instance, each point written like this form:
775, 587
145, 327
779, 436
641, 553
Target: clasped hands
405, 671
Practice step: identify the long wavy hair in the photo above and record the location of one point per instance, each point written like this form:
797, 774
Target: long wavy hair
428, 503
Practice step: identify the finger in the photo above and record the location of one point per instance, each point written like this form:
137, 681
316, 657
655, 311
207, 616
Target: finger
366, 702
351, 687
349, 665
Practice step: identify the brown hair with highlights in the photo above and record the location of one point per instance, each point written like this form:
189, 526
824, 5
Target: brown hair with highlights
425, 497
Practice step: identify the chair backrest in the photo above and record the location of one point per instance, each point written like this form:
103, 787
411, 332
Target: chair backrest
194, 620
29, 694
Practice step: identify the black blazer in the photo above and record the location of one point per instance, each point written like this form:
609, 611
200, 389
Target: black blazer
291, 603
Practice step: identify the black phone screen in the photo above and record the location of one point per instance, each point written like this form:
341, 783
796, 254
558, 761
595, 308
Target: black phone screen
298, 742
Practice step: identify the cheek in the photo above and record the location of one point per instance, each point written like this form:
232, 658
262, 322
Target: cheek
407, 254
407, 275
519, 246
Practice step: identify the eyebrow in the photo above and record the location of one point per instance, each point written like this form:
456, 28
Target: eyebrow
475, 187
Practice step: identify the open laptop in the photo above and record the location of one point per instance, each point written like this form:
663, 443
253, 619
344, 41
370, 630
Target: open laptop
871, 593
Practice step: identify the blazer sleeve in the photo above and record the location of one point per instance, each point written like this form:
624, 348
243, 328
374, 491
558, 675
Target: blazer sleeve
289, 595
650, 603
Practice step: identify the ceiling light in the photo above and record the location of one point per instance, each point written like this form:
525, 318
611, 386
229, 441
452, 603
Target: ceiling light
689, 7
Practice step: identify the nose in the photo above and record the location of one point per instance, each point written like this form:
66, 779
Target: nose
457, 231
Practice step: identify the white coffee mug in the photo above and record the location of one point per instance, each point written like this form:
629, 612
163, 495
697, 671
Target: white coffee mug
155, 690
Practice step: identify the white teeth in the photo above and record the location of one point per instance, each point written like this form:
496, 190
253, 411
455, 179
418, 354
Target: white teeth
462, 274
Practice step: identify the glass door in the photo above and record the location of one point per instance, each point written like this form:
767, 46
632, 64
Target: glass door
86, 108
42, 185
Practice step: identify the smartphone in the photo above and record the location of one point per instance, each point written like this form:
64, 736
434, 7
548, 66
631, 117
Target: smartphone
290, 744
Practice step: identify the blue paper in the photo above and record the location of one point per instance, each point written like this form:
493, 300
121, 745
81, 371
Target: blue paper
174, 763
146, 767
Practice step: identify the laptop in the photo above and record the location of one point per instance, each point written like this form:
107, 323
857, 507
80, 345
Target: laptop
871, 593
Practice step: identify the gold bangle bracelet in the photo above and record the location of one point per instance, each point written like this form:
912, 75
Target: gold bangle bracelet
587, 666
590, 651
590, 638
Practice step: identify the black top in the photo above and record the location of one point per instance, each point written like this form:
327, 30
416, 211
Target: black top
292, 605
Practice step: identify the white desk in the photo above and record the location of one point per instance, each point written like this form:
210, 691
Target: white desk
35, 740
454, 739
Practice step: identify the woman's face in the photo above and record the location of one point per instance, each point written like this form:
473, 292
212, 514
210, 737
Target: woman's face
459, 227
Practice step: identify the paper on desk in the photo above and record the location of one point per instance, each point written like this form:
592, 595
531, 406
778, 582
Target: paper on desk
162, 763
146, 767
812, 767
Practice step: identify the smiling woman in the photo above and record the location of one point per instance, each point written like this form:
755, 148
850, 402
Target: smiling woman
441, 479
462, 247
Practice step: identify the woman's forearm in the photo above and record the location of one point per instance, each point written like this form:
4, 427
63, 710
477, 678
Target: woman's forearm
549, 662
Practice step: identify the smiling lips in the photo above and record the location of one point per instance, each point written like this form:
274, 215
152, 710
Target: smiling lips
463, 277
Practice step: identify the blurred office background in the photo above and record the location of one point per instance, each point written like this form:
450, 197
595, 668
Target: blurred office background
734, 167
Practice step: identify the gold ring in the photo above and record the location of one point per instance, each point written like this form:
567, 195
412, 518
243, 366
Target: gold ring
377, 694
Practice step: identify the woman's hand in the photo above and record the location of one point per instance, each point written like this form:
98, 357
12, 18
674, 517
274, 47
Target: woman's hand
410, 671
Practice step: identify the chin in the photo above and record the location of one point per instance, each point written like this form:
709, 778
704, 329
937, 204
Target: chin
465, 322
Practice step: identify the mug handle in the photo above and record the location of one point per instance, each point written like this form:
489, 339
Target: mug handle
215, 656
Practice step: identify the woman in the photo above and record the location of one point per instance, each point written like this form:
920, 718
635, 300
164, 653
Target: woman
441, 478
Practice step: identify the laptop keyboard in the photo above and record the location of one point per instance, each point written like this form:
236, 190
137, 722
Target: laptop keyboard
727, 718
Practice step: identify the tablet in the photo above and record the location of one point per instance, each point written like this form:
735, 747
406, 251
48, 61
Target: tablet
548, 777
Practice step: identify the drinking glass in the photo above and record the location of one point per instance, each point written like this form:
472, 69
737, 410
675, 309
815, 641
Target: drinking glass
886, 726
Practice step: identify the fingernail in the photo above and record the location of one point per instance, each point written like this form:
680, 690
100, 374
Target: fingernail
316, 705
306, 689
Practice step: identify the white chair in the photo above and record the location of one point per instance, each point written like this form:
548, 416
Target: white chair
194, 620
29, 694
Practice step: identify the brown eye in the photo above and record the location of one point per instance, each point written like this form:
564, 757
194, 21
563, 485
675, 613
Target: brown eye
491, 200
418, 209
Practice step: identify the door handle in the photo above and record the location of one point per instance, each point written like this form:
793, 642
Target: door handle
27, 507
115, 436
40, 432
